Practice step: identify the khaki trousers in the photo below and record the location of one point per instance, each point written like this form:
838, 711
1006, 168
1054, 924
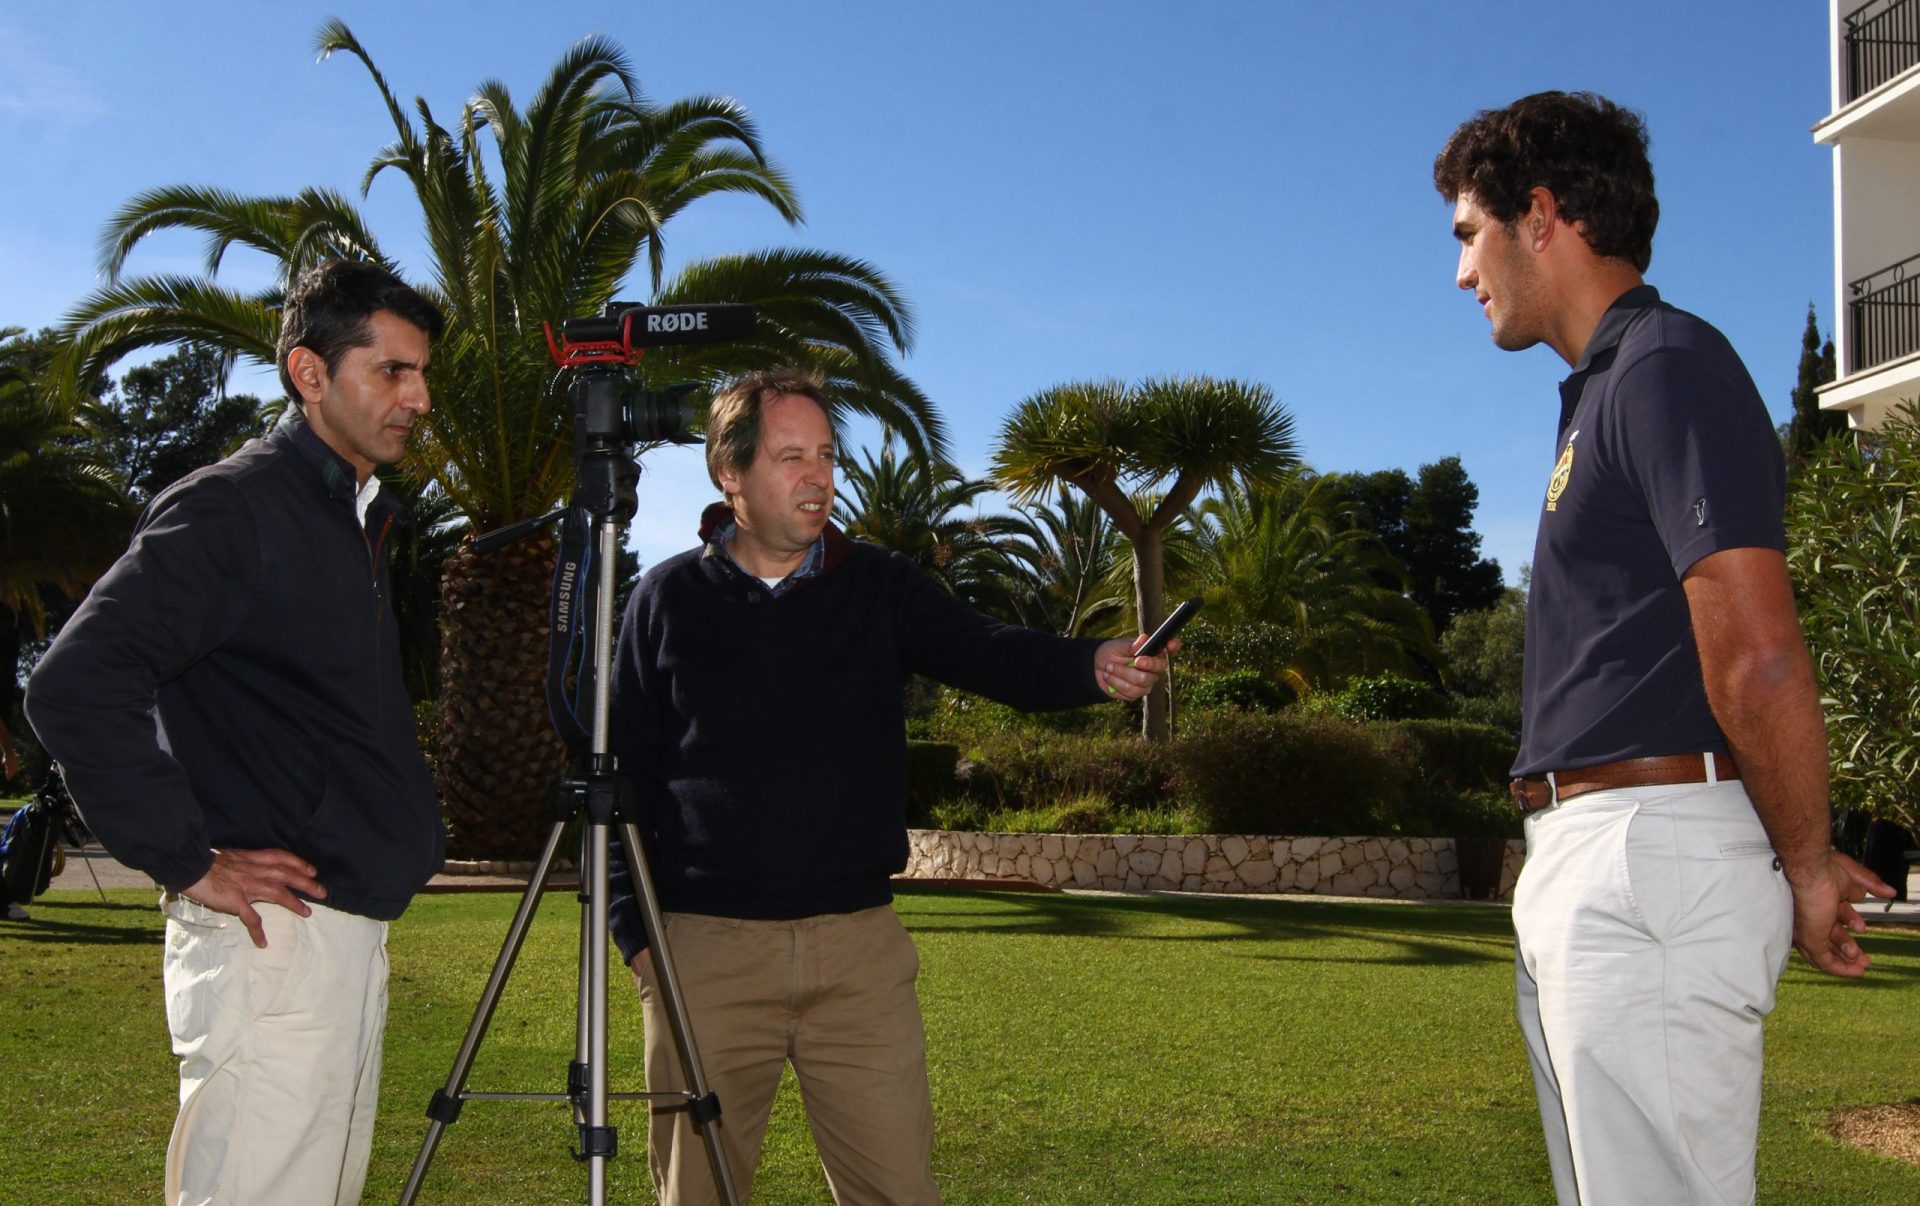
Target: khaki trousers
279, 1055
832, 995
1652, 926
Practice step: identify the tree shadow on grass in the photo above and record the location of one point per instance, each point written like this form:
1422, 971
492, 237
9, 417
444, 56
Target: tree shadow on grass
84, 922
70, 933
1411, 934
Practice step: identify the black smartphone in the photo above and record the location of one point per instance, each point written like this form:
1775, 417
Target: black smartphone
1169, 627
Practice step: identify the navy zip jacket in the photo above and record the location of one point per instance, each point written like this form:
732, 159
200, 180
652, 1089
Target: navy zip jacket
250, 616
765, 736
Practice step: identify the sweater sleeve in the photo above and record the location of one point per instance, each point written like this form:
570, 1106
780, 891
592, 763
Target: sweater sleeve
950, 642
633, 739
179, 591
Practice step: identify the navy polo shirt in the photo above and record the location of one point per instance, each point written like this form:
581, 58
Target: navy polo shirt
1665, 454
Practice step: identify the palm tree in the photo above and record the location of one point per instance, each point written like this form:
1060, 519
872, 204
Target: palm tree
916, 509
1173, 435
1290, 557
1057, 571
588, 175
64, 515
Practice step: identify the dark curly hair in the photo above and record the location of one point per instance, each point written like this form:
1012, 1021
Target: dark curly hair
1590, 153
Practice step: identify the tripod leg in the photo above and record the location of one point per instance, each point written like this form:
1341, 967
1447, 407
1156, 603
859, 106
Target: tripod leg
597, 1142
444, 1109
705, 1106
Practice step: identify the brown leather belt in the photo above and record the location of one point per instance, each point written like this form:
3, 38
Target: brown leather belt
1537, 792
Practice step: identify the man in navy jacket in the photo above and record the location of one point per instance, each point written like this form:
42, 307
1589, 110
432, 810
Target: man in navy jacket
758, 709
227, 705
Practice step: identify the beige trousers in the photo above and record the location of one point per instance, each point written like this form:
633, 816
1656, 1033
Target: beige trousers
279, 1055
832, 995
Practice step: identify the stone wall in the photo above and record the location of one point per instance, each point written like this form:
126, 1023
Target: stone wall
1400, 868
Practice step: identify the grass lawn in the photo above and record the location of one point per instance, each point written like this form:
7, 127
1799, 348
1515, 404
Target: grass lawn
1096, 1050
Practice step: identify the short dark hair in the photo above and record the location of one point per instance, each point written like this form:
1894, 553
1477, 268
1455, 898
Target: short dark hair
1590, 153
733, 421
328, 309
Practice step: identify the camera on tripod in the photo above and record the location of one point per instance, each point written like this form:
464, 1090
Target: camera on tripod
610, 407
612, 414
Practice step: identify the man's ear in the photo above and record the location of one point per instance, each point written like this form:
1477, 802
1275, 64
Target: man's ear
309, 372
1541, 220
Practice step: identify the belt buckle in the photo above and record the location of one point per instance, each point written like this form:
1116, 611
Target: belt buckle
1520, 789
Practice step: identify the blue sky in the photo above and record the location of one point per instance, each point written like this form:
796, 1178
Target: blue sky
1064, 190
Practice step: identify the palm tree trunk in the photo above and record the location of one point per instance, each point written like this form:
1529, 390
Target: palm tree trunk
1150, 604
499, 754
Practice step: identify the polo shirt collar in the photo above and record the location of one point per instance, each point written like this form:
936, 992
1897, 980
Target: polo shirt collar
1601, 344
1613, 324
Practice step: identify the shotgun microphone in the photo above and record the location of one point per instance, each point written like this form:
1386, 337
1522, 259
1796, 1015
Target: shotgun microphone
661, 326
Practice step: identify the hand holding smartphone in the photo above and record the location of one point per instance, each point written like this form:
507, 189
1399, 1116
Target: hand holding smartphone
1168, 627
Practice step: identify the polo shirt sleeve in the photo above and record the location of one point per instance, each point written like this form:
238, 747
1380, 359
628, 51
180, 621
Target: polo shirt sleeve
179, 592
1701, 451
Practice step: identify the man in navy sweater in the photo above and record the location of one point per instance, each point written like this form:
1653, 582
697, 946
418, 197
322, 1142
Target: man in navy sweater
228, 708
758, 709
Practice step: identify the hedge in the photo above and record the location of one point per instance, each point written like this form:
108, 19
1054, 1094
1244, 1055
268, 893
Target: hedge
1251, 772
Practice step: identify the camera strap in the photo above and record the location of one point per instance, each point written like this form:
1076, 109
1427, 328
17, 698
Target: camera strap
572, 596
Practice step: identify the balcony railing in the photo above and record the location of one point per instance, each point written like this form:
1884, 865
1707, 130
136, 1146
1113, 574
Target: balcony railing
1883, 40
1884, 313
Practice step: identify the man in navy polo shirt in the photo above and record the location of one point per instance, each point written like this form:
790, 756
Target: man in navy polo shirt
1673, 756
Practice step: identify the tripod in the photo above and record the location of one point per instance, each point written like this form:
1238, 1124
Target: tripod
607, 475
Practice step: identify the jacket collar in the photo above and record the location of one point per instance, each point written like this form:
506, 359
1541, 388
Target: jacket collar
333, 471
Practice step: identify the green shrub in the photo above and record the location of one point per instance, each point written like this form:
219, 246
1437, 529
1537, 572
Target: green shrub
1460, 756
426, 728
930, 777
1248, 690
1391, 697
1500, 711
1081, 814
1485, 813
1036, 768
1296, 774
966, 718
1207, 647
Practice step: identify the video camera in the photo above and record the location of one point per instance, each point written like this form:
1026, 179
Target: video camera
610, 408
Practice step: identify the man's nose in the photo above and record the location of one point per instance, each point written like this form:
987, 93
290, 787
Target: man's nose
1465, 275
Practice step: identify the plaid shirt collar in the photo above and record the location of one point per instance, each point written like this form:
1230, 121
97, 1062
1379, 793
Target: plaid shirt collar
810, 565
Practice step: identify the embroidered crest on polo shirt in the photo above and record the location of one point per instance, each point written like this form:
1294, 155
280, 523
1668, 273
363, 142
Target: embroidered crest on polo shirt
1557, 485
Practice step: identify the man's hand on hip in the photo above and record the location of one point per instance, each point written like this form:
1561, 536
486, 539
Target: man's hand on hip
1824, 919
240, 877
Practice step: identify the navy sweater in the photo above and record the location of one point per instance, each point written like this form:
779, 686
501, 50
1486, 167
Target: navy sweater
765, 736
250, 613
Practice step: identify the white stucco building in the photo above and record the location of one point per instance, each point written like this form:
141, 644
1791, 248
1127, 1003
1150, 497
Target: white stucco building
1874, 130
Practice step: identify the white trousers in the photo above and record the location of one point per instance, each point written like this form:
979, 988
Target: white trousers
279, 1055
1653, 925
